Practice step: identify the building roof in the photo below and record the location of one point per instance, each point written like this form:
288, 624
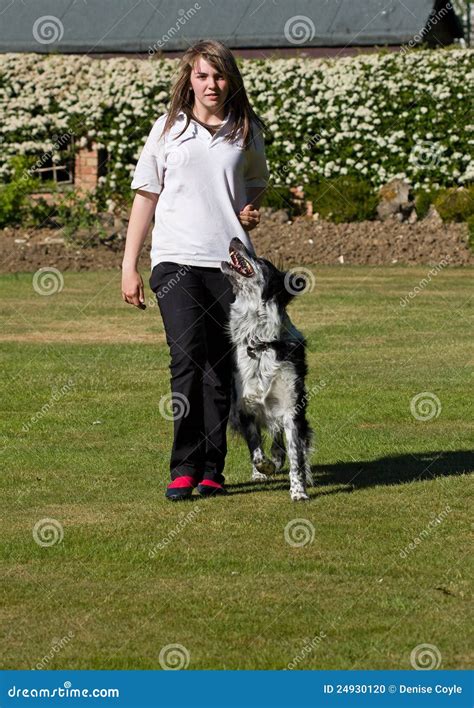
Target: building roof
99, 26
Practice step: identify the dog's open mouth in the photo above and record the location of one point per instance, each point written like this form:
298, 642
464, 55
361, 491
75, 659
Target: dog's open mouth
240, 264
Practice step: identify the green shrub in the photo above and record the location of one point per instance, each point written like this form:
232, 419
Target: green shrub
40, 213
343, 199
455, 204
74, 214
279, 198
14, 194
356, 116
423, 200
81, 225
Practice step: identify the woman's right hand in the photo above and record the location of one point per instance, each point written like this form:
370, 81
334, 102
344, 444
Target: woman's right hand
132, 287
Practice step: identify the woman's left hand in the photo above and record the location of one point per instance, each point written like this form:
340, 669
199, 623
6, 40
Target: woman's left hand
249, 217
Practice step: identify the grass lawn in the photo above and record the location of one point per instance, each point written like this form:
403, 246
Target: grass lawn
129, 574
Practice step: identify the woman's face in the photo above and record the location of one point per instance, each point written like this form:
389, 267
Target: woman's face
210, 87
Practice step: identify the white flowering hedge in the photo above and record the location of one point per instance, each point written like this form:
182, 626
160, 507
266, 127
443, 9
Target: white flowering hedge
375, 116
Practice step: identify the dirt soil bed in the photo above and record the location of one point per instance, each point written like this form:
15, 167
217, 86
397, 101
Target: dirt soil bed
302, 242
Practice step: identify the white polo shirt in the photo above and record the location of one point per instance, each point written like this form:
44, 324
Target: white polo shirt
202, 182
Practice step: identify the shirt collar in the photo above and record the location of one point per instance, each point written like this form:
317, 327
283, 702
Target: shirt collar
222, 130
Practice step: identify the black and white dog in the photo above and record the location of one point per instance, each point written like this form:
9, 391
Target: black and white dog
268, 383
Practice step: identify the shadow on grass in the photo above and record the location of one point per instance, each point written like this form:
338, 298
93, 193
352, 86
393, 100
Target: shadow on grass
350, 476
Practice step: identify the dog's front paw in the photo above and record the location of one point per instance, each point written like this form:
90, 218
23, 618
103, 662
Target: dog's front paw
299, 496
258, 476
266, 467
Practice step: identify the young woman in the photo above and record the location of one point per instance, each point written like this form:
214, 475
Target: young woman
202, 174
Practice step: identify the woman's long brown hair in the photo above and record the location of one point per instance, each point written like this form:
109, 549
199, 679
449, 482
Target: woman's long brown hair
182, 95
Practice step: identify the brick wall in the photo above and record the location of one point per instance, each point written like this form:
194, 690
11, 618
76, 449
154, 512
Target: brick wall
86, 169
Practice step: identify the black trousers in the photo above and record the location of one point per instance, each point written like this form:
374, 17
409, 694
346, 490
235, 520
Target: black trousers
194, 303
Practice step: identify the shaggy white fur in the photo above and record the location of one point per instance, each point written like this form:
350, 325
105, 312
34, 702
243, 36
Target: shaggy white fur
269, 369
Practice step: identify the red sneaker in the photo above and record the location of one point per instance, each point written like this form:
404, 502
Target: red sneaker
209, 488
180, 488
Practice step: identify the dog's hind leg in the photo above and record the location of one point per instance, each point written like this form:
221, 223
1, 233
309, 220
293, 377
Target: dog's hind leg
308, 452
250, 429
296, 447
278, 451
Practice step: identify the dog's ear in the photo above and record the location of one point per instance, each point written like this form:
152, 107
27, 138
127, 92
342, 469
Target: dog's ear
282, 285
272, 288
272, 280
